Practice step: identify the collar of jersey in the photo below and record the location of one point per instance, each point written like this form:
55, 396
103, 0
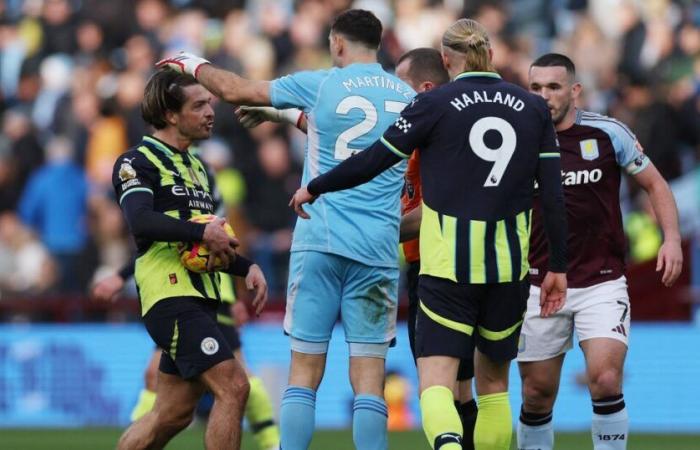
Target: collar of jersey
160, 145
477, 74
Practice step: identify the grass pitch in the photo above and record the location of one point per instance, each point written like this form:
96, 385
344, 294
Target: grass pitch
191, 439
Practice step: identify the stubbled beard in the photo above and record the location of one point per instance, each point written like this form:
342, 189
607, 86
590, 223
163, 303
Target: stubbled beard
563, 112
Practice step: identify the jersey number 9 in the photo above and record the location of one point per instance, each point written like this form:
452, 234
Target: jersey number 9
499, 156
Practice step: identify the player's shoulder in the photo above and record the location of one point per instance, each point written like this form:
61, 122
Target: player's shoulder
132, 156
613, 127
131, 161
304, 77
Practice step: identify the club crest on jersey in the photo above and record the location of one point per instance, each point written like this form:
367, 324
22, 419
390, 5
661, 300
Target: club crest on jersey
126, 172
589, 149
209, 346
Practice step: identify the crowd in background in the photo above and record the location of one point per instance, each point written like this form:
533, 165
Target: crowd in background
72, 74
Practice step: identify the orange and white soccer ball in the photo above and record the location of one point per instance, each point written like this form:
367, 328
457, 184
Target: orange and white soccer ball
195, 255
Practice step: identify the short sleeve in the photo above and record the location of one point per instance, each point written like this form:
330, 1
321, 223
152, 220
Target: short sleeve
628, 151
133, 172
298, 90
413, 127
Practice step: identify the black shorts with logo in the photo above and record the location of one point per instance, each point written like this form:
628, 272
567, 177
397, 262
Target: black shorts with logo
186, 329
228, 326
466, 365
453, 318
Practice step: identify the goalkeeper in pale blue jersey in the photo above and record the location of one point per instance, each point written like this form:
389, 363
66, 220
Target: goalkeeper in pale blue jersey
344, 260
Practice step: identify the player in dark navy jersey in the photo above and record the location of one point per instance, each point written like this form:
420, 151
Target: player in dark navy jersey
483, 143
594, 151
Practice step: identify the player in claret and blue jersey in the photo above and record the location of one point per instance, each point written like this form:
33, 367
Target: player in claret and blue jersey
345, 261
594, 151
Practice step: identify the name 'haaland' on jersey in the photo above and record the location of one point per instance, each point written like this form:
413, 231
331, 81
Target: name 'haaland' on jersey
483, 97
378, 81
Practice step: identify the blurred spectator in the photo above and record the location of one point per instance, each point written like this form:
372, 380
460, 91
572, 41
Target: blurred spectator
25, 265
55, 72
54, 205
107, 139
271, 220
654, 123
642, 230
58, 27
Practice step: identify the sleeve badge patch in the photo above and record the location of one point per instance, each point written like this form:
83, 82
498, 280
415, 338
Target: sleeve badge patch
126, 172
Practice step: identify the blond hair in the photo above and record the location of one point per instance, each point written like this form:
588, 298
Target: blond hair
469, 37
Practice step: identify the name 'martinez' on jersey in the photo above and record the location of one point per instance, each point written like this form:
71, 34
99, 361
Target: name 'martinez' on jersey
347, 110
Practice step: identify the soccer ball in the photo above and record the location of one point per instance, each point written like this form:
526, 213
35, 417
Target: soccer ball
195, 255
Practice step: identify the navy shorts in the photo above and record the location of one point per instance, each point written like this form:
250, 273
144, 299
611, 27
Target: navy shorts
453, 318
187, 331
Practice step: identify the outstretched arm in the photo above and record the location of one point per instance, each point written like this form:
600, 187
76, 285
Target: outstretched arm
356, 170
233, 88
226, 85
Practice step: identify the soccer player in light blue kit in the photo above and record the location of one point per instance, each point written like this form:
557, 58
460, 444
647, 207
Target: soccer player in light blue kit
345, 258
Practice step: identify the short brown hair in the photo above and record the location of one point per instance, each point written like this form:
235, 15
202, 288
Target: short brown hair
425, 64
164, 92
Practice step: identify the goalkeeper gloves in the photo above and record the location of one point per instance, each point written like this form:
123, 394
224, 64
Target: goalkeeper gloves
252, 116
186, 63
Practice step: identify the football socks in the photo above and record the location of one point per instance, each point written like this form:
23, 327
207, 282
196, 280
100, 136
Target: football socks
369, 415
610, 426
493, 423
145, 404
297, 418
258, 411
467, 414
535, 431
441, 422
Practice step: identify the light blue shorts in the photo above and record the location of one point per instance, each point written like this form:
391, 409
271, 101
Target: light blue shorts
323, 287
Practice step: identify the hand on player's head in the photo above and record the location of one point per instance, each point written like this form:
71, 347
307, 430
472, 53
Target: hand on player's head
183, 62
219, 243
552, 293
